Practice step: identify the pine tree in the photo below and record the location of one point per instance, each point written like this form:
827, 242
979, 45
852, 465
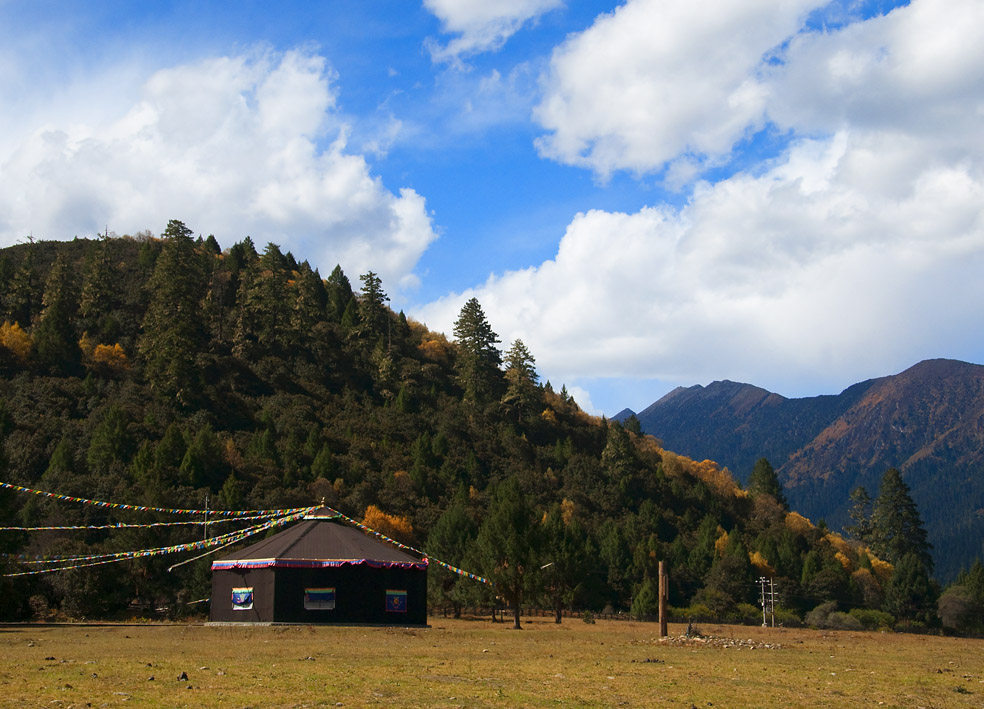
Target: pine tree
764, 480
55, 339
507, 544
565, 555
309, 303
264, 323
372, 305
478, 359
860, 513
896, 528
21, 301
521, 379
450, 541
339, 293
174, 328
100, 294
910, 594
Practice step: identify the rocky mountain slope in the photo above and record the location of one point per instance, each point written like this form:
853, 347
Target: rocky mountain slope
928, 421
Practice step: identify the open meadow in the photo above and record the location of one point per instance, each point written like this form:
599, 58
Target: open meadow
480, 663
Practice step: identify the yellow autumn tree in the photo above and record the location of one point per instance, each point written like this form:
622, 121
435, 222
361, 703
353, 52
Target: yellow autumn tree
398, 528
16, 341
111, 357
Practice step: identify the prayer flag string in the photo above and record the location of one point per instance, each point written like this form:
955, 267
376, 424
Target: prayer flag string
406, 547
127, 525
141, 508
225, 539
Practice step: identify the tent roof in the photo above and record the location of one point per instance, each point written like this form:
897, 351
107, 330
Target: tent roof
318, 541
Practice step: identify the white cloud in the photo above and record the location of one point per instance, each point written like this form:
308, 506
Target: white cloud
235, 146
803, 274
657, 79
481, 25
855, 253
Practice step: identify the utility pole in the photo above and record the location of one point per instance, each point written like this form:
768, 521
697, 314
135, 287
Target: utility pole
664, 594
768, 600
205, 523
762, 598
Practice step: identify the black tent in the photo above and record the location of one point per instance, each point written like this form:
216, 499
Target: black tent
320, 570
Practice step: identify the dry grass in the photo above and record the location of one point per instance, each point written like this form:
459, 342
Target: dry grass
478, 663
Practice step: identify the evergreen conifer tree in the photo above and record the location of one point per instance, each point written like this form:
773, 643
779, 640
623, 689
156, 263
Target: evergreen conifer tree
521, 379
174, 328
55, 339
764, 480
507, 544
478, 357
896, 527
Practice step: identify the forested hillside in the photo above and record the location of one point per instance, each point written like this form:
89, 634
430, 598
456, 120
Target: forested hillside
166, 372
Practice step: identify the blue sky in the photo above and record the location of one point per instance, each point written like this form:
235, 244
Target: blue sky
649, 193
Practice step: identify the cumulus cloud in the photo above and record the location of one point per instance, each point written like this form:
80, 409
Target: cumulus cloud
481, 26
659, 79
859, 248
235, 146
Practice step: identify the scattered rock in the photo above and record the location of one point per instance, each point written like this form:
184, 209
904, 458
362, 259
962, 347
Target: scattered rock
151, 678
49, 658
183, 677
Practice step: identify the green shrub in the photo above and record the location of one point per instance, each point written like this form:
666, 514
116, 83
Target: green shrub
788, 618
872, 619
842, 621
817, 618
748, 614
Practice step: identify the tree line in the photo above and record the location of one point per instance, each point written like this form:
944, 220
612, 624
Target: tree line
159, 371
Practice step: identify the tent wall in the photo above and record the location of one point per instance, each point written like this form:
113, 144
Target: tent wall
262, 583
360, 595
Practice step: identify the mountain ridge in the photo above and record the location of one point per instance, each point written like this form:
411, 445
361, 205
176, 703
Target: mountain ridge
927, 420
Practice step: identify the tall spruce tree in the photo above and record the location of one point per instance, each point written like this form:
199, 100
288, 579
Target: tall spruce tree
174, 327
764, 480
860, 513
521, 378
507, 544
896, 527
478, 357
339, 293
55, 339
565, 557
372, 305
450, 540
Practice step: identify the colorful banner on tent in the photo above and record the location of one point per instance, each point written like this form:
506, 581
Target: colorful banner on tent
396, 601
319, 599
242, 598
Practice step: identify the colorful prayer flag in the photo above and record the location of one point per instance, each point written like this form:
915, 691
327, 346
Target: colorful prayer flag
242, 599
319, 599
396, 601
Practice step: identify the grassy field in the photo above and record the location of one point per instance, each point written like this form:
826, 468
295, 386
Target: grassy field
478, 663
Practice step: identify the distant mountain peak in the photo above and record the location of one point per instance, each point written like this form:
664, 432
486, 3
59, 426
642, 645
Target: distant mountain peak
927, 421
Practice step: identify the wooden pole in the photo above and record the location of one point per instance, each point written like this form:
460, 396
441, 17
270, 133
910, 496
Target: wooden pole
663, 596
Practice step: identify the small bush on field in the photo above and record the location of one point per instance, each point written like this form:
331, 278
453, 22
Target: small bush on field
911, 626
697, 611
817, 618
843, 621
748, 614
828, 617
588, 617
788, 618
872, 619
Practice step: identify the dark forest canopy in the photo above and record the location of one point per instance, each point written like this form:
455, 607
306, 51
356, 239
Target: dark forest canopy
161, 371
